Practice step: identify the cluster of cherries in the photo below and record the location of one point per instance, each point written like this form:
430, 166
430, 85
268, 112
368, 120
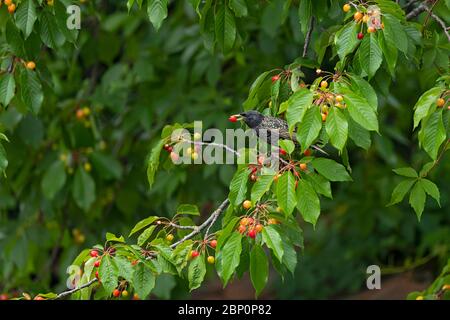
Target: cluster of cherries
195, 253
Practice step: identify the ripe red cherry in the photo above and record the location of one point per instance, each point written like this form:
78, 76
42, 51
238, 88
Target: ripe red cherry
94, 253
252, 233
360, 35
96, 275
232, 119
283, 152
307, 152
213, 243
116, 293
195, 254
97, 263
275, 78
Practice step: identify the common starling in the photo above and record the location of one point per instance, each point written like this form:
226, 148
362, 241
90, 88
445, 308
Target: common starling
264, 125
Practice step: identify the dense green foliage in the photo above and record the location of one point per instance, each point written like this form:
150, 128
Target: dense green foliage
83, 133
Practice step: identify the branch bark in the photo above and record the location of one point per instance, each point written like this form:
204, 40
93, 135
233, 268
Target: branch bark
308, 37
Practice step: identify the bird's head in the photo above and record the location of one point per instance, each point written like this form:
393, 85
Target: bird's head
252, 118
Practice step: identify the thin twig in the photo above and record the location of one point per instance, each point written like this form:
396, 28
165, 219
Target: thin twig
180, 226
308, 37
440, 21
415, 12
71, 291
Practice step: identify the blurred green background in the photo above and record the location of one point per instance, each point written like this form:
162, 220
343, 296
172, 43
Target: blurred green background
135, 80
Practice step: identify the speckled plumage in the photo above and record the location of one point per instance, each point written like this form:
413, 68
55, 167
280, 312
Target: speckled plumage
260, 122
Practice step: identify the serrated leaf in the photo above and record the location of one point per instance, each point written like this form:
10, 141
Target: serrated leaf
346, 39
225, 27
196, 272
400, 191
297, 105
238, 186
108, 274
26, 16
320, 184
359, 135
189, 209
142, 224
432, 134
417, 199
143, 280
424, 104
49, 32
330, 169
261, 186
360, 111
153, 162
406, 172
308, 202
431, 189
157, 12
337, 128
285, 192
394, 31
31, 90
239, 7
124, 268
231, 253
259, 268
144, 236
180, 255
7, 88
309, 127
272, 239
370, 54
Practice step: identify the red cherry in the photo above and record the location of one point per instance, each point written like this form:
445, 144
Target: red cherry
213, 243
283, 152
275, 78
116, 293
97, 263
3, 296
252, 233
195, 254
251, 220
96, 275
232, 119
93, 253
254, 169
307, 152
360, 35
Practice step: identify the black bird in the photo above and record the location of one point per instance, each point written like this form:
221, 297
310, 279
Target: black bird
264, 125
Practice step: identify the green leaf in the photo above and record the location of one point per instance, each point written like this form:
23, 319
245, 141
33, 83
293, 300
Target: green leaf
364, 89
144, 236
390, 52
426, 168
50, 34
298, 103
107, 166
189, 209
143, 280
417, 199
320, 184
431, 189
111, 237
304, 13
7, 88
3, 159
14, 38
361, 111
231, 254
239, 7
272, 239
337, 128
153, 162
424, 104
370, 54
395, 32
226, 232
26, 16
432, 134
308, 202
180, 255
359, 135
31, 90
83, 189
261, 186
142, 224
309, 128
225, 27
108, 273
286, 192
238, 186
330, 169
196, 272
406, 172
346, 39
124, 268
257, 86
53, 180
400, 191
157, 12
259, 268
287, 145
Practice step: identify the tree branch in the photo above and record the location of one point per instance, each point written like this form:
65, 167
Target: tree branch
69, 292
308, 37
415, 12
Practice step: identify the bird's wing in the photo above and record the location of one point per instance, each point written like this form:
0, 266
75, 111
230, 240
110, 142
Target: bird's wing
272, 123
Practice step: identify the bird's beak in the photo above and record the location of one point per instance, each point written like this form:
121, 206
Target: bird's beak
238, 116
